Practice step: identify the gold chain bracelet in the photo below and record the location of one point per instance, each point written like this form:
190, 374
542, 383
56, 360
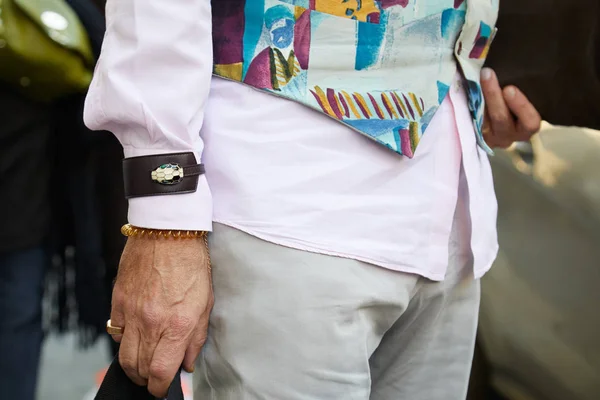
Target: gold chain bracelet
132, 231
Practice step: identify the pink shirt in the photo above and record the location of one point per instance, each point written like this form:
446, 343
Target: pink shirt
271, 168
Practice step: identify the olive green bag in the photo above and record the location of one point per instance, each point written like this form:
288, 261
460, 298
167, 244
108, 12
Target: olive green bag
45, 52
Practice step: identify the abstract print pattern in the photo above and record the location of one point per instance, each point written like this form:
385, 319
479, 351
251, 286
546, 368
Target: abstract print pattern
380, 66
482, 42
475, 41
392, 110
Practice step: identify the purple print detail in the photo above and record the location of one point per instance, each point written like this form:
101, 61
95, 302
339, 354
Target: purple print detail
333, 103
376, 106
228, 32
390, 3
345, 105
405, 144
410, 110
302, 39
397, 103
318, 99
362, 109
259, 72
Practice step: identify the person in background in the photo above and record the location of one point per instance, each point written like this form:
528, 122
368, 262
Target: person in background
49, 181
344, 264
88, 184
26, 131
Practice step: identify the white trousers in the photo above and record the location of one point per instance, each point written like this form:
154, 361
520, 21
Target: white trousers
293, 325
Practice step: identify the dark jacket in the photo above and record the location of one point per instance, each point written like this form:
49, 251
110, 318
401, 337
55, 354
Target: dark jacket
61, 187
28, 144
89, 207
26, 132
550, 49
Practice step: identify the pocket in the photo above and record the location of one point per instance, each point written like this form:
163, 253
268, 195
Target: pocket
367, 11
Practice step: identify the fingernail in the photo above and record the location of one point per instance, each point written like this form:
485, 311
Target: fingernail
486, 73
510, 92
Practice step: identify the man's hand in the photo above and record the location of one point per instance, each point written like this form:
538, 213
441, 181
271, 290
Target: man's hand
510, 117
163, 298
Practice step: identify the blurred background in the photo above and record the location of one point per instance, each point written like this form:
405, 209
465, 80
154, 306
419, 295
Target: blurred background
63, 206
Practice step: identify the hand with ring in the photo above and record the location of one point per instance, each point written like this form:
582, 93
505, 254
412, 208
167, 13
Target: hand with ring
114, 330
160, 307
510, 117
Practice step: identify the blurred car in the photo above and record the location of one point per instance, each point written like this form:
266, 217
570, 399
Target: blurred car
539, 335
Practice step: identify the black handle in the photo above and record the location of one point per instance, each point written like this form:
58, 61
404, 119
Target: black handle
117, 386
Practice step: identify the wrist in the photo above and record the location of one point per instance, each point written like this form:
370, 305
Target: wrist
132, 231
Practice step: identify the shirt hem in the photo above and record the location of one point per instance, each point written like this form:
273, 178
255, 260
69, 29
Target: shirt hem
316, 250
480, 272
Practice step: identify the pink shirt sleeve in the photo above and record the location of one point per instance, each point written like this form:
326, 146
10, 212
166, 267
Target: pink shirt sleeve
150, 89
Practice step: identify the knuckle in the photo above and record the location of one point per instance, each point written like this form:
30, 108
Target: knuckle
119, 298
159, 371
201, 343
127, 364
149, 316
121, 301
181, 323
131, 299
497, 116
533, 126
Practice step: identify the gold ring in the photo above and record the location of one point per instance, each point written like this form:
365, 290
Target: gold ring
114, 330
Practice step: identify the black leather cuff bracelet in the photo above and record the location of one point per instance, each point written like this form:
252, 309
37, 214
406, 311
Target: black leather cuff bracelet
161, 174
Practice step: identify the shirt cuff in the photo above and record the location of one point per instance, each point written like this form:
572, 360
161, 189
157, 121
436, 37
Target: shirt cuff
190, 212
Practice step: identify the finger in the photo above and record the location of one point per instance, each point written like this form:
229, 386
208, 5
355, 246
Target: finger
195, 347
149, 338
117, 338
128, 355
501, 120
486, 129
145, 354
503, 144
528, 118
166, 361
488, 133
117, 317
